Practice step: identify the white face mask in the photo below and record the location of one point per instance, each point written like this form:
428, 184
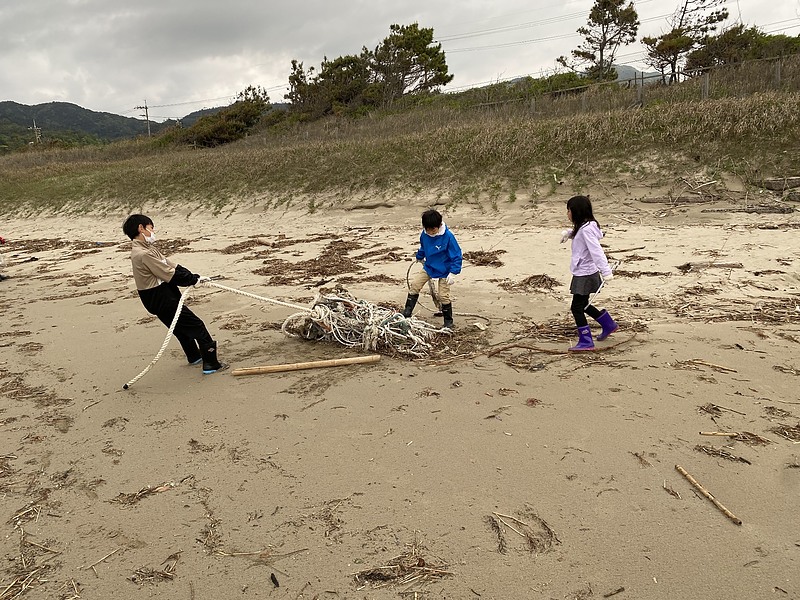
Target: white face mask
150, 239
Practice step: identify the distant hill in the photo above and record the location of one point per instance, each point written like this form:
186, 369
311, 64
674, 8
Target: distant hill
66, 124
626, 73
64, 116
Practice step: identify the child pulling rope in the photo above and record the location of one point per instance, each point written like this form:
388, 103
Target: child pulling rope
343, 319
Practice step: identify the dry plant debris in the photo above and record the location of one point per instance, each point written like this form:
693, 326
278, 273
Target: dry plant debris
144, 575
24, 581
537, 538
787, 370
788, 432
131, 499
485, 258
643, 462
409, 568
770, 311
530, 284
776, 413
712, 451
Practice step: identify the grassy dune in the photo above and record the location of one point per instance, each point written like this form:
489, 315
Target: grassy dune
444, 152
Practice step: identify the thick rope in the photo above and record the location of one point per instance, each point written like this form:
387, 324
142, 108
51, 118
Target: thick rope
350, 322
208, 283
204, 282
164, 345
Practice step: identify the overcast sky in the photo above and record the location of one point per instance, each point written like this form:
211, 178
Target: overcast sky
179, 56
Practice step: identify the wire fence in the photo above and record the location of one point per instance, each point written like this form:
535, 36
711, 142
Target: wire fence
737, 81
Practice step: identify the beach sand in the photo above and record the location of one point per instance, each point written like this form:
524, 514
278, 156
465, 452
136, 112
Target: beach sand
487, 471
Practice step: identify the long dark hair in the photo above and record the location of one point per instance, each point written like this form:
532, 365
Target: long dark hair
581, 209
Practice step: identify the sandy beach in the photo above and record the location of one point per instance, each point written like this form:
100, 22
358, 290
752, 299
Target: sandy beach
500, 467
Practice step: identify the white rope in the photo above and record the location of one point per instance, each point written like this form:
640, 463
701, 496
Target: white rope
164, 345
350, 322
209, 283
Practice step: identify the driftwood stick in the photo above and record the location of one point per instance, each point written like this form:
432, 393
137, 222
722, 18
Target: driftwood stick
94, 564
509, 346
731, 434
316, 364
708, 495
698, 361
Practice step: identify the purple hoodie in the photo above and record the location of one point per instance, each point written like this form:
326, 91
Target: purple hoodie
587, 255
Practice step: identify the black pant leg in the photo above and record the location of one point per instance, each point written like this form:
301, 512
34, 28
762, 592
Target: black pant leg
578, 306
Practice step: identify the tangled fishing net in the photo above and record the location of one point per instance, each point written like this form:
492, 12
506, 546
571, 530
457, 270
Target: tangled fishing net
355, 323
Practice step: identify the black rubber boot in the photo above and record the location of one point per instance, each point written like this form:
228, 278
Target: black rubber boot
211, 362
447, 312
411, 302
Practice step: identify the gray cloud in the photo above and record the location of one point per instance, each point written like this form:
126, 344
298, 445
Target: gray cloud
112, 55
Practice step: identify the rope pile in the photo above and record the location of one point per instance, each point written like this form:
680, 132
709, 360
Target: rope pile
357, 323
343, 319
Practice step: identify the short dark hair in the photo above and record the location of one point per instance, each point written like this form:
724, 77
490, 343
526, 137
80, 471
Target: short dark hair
431, 219
131, 224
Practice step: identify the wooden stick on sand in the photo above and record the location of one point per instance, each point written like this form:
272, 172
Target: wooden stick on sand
316, 364
708, 495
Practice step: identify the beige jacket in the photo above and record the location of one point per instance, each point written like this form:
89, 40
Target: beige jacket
150, 267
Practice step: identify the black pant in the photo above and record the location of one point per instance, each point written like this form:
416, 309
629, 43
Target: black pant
580, 307
190, 331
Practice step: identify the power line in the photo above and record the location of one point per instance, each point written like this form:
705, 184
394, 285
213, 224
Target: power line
533, 41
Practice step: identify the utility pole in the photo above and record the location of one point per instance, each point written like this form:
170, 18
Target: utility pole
146, 115
37, 132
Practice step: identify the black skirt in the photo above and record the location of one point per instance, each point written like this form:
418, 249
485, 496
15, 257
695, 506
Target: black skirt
583, 285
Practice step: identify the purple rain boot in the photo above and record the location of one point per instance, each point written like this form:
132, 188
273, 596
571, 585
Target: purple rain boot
584, 340
609, 325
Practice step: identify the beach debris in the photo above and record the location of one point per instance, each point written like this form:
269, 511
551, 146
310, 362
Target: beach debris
774, 412
266, 557
747, 437
532, 283
614, 593
354, 323
787, 370
498, 413
538, 538
30, 512
643, 462
791, 433
712, 451
144, 575
409, 568
697, 362
694, 266
316, 364
484, 258
131, 499
716, 409
708, 495
97, 562
670, 491
26, 580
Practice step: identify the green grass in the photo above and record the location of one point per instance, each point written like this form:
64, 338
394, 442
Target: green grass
459, 156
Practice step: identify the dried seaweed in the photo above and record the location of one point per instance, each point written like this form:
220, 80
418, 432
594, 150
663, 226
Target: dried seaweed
643, 462
494, 525
712, 451
485, 258
407, 568
530, 284
788, 432
144, 575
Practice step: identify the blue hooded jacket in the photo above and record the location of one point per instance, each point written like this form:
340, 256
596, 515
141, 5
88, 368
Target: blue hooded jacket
441, 252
